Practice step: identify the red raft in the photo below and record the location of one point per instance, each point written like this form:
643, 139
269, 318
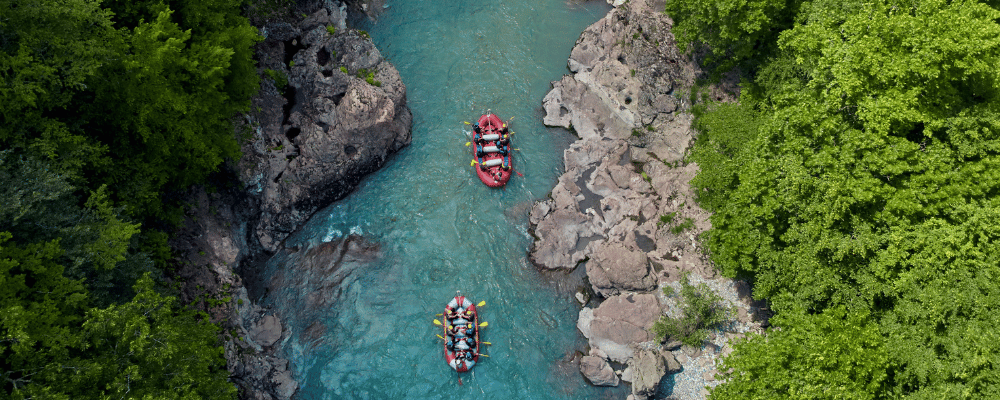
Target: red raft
461, 334
492, 150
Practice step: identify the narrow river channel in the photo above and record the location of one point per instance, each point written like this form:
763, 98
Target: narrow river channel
437, 229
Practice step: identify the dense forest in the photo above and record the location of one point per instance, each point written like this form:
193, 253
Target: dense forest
107, 107
856, 183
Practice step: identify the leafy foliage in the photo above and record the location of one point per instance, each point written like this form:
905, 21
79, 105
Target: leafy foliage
737, 29
832, 355
852, 183
702, 309
106, 107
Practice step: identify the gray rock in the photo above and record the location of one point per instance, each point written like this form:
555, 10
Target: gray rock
709, 375
284, 385
673, 366
280, 31
614, 269
266, 331
648, 370
598, 371
618, 321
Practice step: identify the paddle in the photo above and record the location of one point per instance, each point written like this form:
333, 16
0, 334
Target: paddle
481, 303
482, 325
436, 322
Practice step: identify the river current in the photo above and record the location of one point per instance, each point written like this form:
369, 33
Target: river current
438, 229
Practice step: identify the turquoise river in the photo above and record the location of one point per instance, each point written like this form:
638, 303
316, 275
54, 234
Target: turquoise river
438, 229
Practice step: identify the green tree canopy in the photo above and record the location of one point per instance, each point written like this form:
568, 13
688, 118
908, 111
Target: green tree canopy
862, 183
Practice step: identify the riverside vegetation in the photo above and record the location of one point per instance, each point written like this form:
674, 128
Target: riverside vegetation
106, 107
856, 183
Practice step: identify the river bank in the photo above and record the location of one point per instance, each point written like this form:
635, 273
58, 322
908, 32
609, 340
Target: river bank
330, 111
624, 209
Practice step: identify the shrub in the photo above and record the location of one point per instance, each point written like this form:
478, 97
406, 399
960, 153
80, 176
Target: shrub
702, 311
279, 78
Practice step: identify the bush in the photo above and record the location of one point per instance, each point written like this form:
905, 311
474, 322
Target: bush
279, 78
702, 311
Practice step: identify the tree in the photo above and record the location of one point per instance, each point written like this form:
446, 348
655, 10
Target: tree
148, 348
734, 30
864, 186
831, 355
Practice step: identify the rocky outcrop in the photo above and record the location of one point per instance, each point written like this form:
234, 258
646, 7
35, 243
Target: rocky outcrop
340, 115
330, 111
624, 207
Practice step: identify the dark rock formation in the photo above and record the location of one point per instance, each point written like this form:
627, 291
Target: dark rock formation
342, 113
319, 124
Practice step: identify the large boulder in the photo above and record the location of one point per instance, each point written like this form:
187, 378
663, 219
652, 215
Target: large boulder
618, 322
614, 269
266, 331
648, 369
598, 371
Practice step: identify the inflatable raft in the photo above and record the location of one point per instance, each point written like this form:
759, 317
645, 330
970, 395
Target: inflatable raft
461, 334
491, 140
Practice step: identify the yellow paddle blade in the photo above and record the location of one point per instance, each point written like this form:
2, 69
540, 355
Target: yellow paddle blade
440, 337
481, 303
467, 122
484, 355
436, 322
438, 315
482, 325
467, 144
474, 162
488, 343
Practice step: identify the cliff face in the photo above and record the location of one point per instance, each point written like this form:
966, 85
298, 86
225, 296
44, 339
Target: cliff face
624, 207
330, 111
342, 112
